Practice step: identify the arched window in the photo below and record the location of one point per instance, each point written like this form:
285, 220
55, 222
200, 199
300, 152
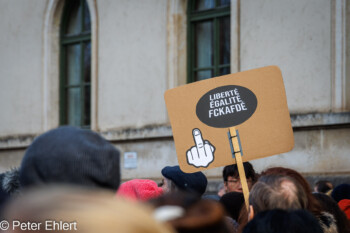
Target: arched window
208, 39
75, 65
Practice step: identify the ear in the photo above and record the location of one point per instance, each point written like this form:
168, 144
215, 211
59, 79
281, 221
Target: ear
251, 213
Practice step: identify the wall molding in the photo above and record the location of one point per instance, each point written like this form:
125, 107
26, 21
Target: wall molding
50, 79
300, 122
315, 119
338, 90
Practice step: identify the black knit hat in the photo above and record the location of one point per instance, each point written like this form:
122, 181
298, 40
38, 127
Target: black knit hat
340, 192
233, 202
71, 155
191, 182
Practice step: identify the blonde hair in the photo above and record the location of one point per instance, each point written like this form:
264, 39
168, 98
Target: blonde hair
92, 210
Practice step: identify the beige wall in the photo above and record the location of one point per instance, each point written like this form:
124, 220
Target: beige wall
315, 151
21, 24
132, 63
295, 35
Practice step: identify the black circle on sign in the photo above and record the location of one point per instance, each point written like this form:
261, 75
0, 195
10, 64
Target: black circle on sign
226, 106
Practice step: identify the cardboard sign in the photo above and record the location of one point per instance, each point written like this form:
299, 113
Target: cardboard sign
254, 102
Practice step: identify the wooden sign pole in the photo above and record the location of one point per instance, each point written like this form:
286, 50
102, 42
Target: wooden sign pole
236, 151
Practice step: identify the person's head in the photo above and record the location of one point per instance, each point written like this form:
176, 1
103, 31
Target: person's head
323, 186
83, 210
175, 179
188, 213
330, 206
9, 181
341, 192
70, 155
312, 205
139, 189
233, 203
277, 220
276, 192
231, 178
3, 199
344, 205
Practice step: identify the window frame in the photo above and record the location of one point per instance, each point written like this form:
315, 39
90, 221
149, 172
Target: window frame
83, 38
200, 16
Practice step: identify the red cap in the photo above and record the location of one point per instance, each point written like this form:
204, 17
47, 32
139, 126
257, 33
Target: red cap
138, 189
345, 206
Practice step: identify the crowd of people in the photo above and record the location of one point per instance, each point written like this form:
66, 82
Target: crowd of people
69, 180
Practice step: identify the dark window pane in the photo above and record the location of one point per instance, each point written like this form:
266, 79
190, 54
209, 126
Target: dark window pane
224, 2
73, 64
87, 21
225, 70
209, 40
204, 44
87, 62
75, 91
74, 106
204, 5
204, 74
74, 18
87, 105
224, 40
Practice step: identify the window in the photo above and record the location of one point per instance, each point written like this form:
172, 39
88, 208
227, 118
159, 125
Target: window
347, 58
208, 39
75, 65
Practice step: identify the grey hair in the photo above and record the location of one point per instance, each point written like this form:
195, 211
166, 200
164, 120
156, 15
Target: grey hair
276, 191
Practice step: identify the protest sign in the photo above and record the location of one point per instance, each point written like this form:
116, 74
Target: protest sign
253, 102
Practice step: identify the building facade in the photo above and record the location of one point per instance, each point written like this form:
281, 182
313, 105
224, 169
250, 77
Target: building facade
128, 53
